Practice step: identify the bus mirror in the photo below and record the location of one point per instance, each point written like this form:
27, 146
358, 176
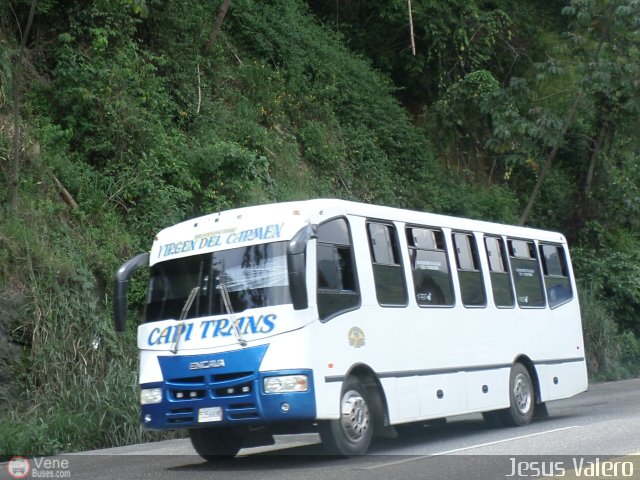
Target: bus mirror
121, 286
296, 265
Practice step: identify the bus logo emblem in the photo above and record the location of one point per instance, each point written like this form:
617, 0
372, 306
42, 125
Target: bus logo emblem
214, 363
356, 337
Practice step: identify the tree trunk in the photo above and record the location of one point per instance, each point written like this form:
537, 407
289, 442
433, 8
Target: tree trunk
550, 158
217, 25
412, 36
595, 151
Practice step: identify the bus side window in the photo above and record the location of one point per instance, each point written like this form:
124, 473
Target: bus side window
469, 273
388, 274
430, 267
499, 272
337, 280
526, 273
556, 274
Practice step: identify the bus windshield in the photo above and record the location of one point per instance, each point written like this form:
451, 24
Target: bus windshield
254, 276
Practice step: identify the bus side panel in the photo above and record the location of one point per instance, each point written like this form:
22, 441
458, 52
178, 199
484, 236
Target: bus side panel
562, 380
391, 394
408, 393
425, 397
403, 400
442, 395
330, 366
488, 389
327, 398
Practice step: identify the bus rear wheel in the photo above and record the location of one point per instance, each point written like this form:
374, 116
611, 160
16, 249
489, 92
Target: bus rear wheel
215, 444
351, 434
522, 397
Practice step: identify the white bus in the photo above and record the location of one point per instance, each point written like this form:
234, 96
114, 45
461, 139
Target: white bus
349, 319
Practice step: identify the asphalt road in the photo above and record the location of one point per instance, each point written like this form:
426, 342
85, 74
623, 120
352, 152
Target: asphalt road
589, 436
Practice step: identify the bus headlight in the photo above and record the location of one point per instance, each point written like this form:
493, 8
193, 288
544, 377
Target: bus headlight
286, 384
149, 396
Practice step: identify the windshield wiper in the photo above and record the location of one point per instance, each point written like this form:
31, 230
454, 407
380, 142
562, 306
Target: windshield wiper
224, 291
183, 315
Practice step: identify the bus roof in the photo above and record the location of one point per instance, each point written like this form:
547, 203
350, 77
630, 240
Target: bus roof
281, 221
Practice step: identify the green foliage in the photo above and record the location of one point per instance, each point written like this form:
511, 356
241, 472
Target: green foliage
229, 173
318, 82
452, 38
6, 53
610, 354
78, 376
614, 272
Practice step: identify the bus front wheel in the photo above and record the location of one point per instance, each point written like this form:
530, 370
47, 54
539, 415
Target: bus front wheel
351, 434
215, 444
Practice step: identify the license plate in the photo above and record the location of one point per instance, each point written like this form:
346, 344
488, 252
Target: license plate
210, 414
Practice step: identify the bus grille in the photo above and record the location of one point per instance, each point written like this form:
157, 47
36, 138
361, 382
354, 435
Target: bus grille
237, 389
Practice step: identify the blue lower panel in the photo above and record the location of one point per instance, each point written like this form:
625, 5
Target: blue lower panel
234, 383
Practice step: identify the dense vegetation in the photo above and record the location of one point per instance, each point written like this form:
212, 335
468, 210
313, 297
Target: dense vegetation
120, 117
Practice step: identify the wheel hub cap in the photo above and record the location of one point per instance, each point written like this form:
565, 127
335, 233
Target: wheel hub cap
522, 394
355, 415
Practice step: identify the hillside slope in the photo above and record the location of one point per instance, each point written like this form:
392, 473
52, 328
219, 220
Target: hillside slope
130, 120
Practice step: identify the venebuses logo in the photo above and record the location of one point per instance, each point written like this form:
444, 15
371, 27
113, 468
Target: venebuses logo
18, 467
42, 467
